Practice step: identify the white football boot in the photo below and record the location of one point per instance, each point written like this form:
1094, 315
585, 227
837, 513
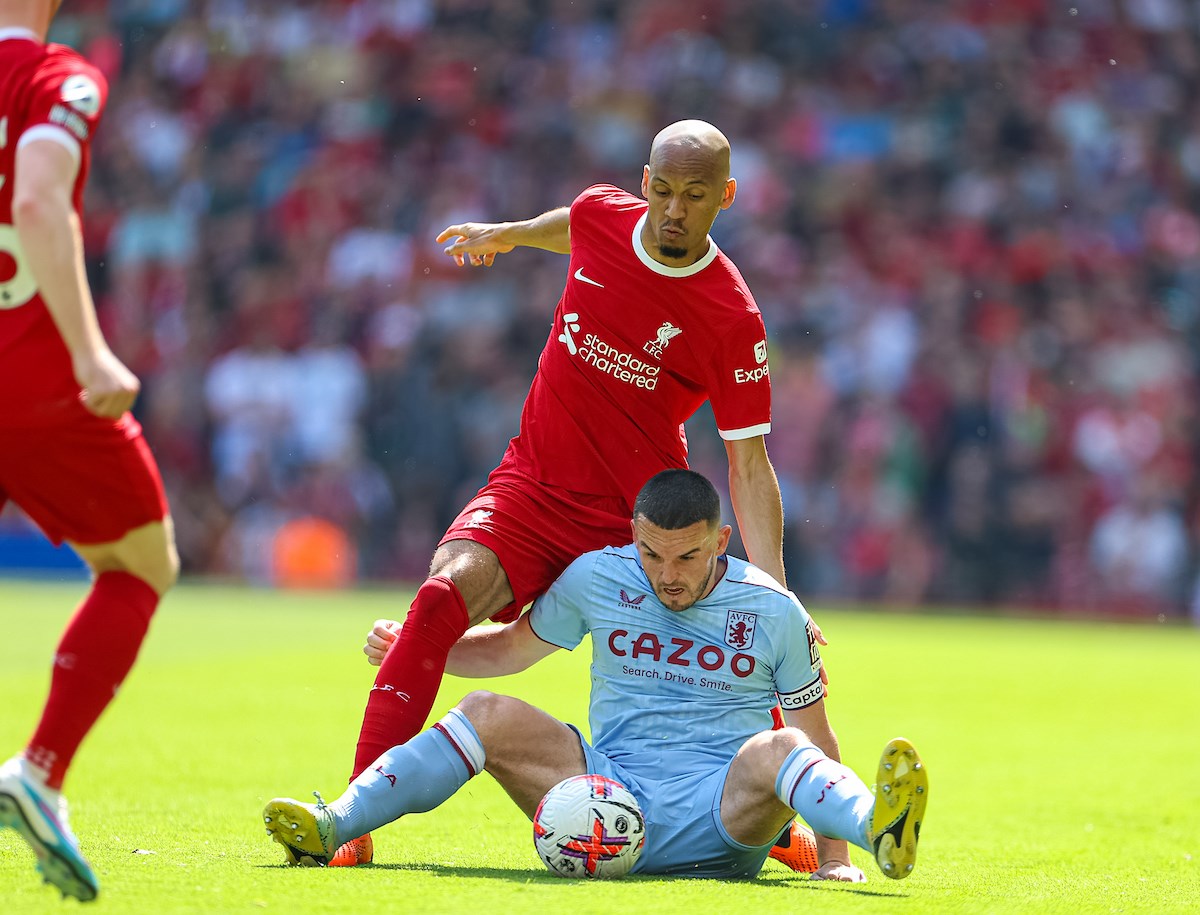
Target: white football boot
39, 814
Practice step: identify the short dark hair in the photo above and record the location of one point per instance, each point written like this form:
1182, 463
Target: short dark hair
675, 499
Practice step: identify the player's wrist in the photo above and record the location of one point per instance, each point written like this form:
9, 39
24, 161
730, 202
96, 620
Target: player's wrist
90, 355
833, 862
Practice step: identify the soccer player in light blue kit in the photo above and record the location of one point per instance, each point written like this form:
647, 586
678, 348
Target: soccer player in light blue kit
691, 649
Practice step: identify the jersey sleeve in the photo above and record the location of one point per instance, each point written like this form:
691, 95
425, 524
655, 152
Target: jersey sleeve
739, 386
596, 200
66, 101
560, 615
798, 674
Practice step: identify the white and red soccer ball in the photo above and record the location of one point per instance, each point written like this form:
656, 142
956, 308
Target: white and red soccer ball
589, 827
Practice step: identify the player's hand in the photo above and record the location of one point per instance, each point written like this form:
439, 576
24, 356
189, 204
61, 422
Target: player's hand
109, 388
820, 637
839, 871
817, 631
379, 639
478, 242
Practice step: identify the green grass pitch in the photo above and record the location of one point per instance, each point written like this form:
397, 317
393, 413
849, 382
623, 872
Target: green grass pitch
1064, 762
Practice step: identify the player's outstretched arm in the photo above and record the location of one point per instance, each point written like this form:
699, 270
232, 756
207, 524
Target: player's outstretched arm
757, 504
480, 242
51, 246
483, 651
496, 651
758, 507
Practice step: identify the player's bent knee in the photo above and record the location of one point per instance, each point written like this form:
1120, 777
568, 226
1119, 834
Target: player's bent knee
492, 714
147, 553
164, 574
792, 737
773, 747
156, 564
482, 705
459, 558
477, 574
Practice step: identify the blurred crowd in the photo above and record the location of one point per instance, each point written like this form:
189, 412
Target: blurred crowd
971, 226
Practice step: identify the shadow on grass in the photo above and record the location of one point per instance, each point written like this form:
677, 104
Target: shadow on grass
875, 888
528, 875
511, 874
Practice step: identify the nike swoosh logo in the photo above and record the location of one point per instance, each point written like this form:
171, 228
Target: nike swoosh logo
583, 279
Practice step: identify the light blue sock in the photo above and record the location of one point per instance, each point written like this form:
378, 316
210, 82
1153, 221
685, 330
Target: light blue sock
411, 778
828, 796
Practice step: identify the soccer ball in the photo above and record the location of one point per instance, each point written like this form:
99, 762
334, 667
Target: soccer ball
588, 826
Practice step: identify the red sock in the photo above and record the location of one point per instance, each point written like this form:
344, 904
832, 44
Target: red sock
412, 669
95, 653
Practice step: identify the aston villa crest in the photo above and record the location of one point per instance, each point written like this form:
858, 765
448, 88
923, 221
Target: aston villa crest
739, 630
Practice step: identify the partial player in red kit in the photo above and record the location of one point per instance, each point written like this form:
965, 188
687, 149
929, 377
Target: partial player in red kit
654, 321
71, 455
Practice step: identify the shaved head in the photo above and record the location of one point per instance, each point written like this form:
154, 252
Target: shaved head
686, 184
692, 146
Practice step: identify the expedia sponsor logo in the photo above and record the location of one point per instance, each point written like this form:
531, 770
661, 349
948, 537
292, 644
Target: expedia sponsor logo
760, 370
680, 652
750, 376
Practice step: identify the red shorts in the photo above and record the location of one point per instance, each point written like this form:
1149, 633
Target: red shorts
537, 531
85, 479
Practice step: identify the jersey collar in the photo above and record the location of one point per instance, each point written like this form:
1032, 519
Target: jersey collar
644, 256
17, 32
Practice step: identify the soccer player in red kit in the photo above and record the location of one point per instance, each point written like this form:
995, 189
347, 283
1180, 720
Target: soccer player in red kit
654, 321
71, 455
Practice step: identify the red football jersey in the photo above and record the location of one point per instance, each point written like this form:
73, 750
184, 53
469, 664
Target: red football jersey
47, 91
636, 347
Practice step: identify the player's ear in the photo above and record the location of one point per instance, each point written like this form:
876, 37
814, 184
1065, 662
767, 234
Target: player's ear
723, 538
729, 193
646, 181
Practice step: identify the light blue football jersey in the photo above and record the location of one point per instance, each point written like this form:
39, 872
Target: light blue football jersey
675, 693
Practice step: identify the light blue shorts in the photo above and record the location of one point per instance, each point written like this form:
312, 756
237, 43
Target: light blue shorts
684, 833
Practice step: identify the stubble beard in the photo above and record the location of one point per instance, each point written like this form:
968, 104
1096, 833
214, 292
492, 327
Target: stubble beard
693, 597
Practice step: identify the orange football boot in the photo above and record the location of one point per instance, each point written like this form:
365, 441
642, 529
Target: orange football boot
353, 853
797, 848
